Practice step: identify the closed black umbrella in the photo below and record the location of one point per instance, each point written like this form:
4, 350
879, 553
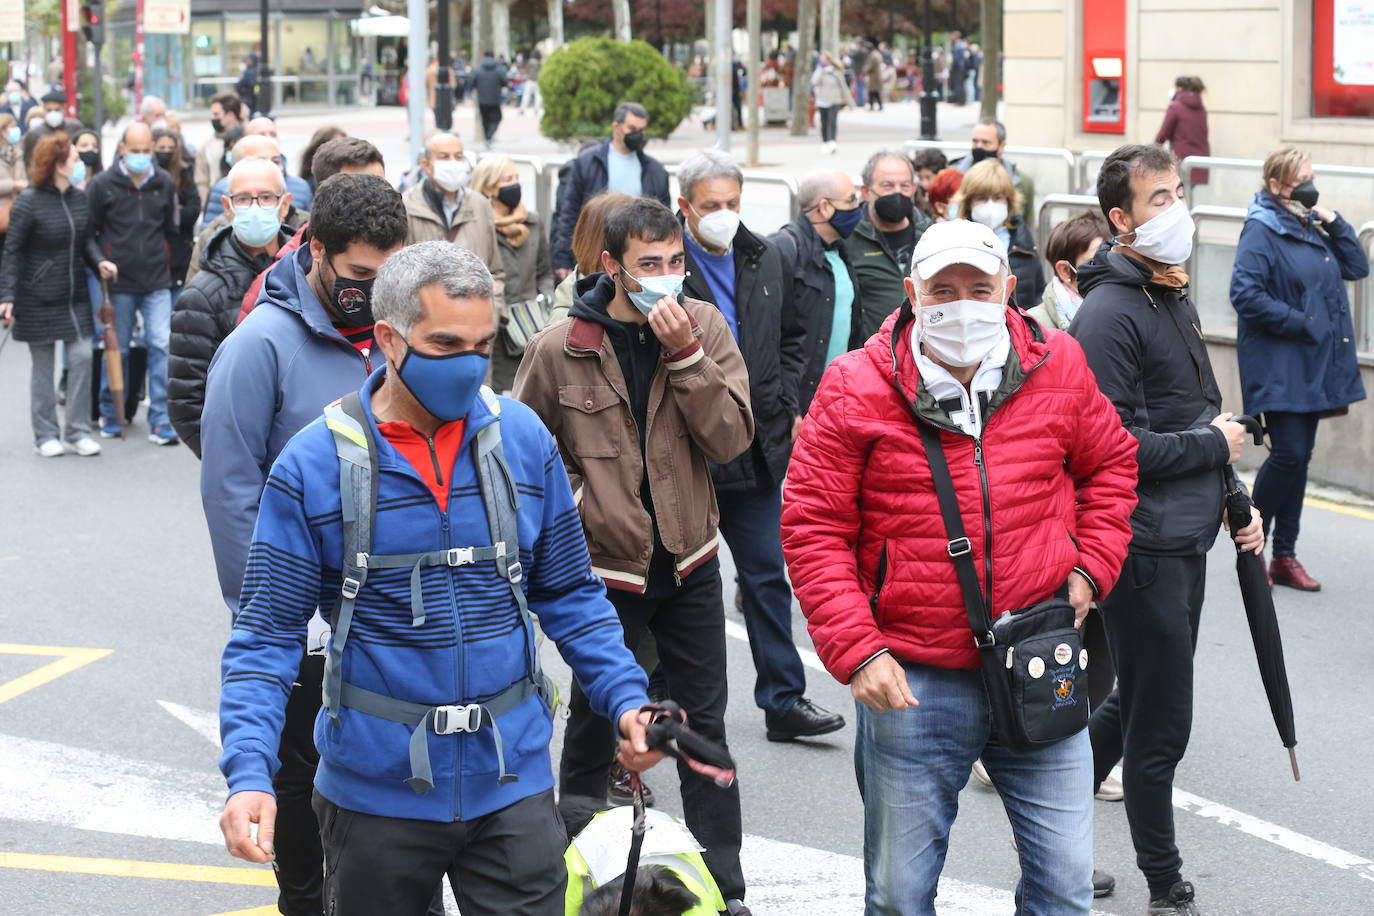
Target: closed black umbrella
1258, 596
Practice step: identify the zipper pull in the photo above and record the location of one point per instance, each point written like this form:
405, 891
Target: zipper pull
978, 452
367, 361
642, 339
1011, 652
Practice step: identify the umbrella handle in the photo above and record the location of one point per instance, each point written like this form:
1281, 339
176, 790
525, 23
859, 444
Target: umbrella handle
1252, 426
1293, 759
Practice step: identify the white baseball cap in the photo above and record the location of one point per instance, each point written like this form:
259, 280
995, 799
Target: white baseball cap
958, 241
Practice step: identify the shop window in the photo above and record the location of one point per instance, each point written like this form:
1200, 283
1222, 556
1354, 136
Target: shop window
1343, 58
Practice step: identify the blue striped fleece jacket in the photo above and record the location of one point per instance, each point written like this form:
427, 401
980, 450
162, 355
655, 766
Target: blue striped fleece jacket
469, 648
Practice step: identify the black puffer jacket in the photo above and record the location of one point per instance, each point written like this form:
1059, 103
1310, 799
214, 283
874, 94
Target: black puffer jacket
205, 313
43, 272
133, 226
1144, 343
813, 285
773, 344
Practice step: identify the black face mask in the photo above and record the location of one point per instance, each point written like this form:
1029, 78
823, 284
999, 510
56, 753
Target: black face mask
893, 208
509, 195
979, 154
634, 141
353, 298
1305, 194
164, 160
217, 125
92, 160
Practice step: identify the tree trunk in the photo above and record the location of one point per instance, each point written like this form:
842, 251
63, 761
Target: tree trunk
500, 27
621, 11
830, 27
801, 69
753, 20
483, 39
991, 74
556, 23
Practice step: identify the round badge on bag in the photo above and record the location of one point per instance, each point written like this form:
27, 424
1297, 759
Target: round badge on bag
1036, 667
1062, 653
1083, 659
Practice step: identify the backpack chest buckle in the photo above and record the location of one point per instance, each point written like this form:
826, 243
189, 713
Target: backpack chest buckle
449, 720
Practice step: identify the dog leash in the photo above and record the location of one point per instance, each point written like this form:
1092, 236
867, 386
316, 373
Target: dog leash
636, 845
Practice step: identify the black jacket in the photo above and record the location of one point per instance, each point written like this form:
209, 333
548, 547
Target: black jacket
1144, 343
43, 272
188, 212
134, 227
813, 289
586, 177
773, 344
205, 313
1025, 265
488, 80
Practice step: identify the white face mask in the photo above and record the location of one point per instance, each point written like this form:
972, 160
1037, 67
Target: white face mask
718, 228
1067, 300
54, 119
1168, 236
991, 213
452, 174
962, 333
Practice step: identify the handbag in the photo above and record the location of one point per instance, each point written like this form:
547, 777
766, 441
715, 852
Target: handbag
1033, 658
524, 320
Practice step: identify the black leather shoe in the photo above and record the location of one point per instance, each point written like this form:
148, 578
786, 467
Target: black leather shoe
805, 720
619, 791
1103, 884
737, 908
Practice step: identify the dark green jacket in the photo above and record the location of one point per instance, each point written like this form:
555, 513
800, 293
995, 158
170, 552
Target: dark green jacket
878, 273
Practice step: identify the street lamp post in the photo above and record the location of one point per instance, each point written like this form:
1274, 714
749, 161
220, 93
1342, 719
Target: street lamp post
443, 85
928, 88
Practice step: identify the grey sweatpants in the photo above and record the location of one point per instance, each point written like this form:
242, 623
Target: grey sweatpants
43, 390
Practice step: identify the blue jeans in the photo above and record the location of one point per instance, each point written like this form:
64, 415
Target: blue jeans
156, 309
1281, 482
911, 766
750, 521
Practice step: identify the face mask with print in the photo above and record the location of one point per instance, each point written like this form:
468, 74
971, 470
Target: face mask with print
991, 213
962, 333
452, 174
354, 298
652, 289
718, 227
1168, 236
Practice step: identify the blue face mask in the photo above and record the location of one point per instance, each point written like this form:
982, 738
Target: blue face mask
15, 100
138, 163
255, 226
445, 386
652, 289
78, 172
13, 134
845, 221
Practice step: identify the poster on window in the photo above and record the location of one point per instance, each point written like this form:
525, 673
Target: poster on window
167, 17
1343, 58
11, 20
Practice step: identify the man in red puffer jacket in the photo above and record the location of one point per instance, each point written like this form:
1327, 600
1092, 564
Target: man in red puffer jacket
1045, 476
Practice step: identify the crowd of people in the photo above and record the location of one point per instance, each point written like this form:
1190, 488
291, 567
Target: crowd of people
391, 534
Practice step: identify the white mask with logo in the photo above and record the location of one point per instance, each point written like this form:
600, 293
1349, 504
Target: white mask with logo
1168, 236
963, 332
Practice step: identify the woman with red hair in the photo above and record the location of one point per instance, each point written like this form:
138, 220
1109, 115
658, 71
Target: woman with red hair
941, 191
43, 290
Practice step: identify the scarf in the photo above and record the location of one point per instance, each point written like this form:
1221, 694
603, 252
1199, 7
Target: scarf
1171, 277
513, 226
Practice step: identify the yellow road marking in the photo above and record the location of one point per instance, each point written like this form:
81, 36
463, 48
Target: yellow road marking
70, 658
1337, 507
256, 911
125, 868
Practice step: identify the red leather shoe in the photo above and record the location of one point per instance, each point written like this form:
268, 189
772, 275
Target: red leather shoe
1288, 571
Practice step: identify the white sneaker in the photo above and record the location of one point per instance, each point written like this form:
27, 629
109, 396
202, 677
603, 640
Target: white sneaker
50, 448
86, 447
981, 774
1111, 790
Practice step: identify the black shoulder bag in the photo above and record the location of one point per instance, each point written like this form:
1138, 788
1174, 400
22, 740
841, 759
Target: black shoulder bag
1033, 658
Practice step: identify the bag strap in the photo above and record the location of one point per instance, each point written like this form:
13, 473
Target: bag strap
960, 547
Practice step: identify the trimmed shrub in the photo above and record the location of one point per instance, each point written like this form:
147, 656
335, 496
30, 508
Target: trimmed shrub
583, 81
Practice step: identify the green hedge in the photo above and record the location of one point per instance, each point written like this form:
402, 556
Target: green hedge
583, 81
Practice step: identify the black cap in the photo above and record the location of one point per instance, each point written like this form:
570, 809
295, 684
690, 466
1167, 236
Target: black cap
56, 95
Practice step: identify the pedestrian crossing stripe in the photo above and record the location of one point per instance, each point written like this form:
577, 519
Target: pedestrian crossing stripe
126, 868
69, 659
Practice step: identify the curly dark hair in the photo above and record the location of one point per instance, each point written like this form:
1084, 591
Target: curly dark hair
350, 207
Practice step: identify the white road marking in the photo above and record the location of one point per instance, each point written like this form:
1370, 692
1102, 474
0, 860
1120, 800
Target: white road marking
736, 630
202, 722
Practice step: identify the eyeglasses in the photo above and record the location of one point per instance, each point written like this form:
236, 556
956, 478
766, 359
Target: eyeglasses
265, 199
853, 200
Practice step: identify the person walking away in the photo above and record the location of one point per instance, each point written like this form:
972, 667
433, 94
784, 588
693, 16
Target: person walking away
1185, 125
831, 93
1294, 338
226, 113
134, 210
873, 78
253, 87
208, 307
524, 254
1015, 409
43, 290
1071, 244
988, 196
617, 164
530, 99
1138, 322
309, 342
489, 81
473, 806
881, 245
958, 69
167, 152
824, 284
644, 492
742, 275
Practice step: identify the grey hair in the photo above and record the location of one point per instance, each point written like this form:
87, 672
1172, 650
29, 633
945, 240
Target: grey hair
871, 165
396, 294
149, 103
707, 165
239, 169
629, 108
815, 187
435, 135
1001, 128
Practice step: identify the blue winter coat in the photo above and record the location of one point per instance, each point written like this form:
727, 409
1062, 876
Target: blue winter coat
470, 647
1295, 339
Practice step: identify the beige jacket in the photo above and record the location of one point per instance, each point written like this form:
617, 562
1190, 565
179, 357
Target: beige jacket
474, 228
698, 413
206, 170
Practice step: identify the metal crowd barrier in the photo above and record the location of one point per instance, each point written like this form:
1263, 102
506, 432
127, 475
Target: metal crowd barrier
1051, 202
1087, 184
958, 150
1257, 166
